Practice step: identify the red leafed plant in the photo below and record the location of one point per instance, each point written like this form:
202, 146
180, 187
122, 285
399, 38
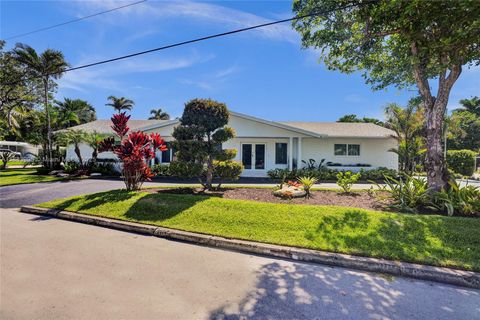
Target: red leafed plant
294, 184
135, 150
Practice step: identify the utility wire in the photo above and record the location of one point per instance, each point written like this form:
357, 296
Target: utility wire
72, 21
207, 38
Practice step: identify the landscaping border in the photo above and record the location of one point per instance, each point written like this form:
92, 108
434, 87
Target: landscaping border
424, 272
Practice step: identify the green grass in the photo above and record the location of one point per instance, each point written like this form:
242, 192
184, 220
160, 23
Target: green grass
20, 176
433, 239
15, 163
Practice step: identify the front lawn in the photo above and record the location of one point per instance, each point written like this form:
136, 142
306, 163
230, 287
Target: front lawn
20, 176
429, 239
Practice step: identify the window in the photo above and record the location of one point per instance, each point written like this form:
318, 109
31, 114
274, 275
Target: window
280, 153
167, 155
347, 149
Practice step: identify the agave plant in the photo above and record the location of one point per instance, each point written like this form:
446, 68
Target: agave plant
307, 183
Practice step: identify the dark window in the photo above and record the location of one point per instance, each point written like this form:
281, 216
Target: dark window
260, 156
340, 149
353, 149
280, 153
247, 156
167, 155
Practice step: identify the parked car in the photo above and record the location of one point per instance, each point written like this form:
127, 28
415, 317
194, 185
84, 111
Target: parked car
16, 155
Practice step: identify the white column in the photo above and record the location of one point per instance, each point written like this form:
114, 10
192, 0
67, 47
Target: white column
299, 153
290, 153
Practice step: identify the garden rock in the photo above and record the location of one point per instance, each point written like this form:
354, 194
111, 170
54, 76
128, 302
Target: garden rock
95, 174
290, 192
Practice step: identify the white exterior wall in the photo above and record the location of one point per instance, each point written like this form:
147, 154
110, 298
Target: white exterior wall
372, 151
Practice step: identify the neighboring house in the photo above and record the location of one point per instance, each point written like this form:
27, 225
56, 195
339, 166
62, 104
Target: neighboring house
263, 145
27, 150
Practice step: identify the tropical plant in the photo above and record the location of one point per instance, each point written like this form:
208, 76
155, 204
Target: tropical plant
400, 43
75, 137
312, 164
354, 118
5, 157
136, 149
471, 105
464, 201
346, 179
464, 126
94, 141
199, 137
47, 66
226, 170
120, 104
307, 183
407, 123
83, 111
407, 193
158, 114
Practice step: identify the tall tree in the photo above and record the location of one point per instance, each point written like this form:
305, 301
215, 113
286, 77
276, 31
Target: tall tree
47, 66
408, 126
120, 104
81, 108
400, 43
75, 137
464, 126
158, 114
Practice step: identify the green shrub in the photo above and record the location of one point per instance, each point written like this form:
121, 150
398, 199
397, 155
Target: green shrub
406, 193
71, 166
464, 201
307, 183
226, 170
161, 170
346, 179
461, 161
187, 170
326, 174
105, 168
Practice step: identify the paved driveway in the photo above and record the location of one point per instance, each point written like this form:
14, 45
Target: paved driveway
54, 269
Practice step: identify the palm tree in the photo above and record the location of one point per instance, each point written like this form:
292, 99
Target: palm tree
471, 105
120, 104
159, 114
75, 137
408, 125
93, 140
82, 109
47, 66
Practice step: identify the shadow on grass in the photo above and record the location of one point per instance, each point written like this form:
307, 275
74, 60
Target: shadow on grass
305, 291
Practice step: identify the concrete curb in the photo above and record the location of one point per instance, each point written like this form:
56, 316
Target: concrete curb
438, 274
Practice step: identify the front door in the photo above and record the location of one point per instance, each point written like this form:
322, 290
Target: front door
253, 158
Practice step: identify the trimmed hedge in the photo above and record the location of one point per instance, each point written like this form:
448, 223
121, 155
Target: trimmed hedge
326, 174
461, 161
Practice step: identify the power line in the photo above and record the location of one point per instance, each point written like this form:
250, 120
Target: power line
72, 21
206, 38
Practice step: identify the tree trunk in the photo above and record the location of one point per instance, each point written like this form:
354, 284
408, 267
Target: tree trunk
437, 173
49, 128
79, 154
209, 175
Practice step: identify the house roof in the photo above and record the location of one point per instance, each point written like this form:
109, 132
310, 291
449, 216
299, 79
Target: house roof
104, 126
343, 129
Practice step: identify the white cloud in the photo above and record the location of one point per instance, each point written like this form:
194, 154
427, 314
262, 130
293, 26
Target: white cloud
106, 76
205, 12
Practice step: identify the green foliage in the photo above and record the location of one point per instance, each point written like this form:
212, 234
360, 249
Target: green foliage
199, 137
326, 174
346, 179
464, 126
456, 200
105, 168
71, 166
461, 161
158, 114
355, 119
161, 170
307, 183
227, 170
407, 193
5, 157
186, 169
75, 111
120, 104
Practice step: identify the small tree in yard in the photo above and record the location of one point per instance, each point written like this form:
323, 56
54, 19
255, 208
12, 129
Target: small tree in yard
199, 137
135, 150
400, 43
5, 157
75, 137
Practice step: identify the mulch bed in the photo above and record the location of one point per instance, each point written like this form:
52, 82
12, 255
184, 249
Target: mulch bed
359, 199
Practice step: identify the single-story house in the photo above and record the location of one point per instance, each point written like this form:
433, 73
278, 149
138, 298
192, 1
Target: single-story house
263, 145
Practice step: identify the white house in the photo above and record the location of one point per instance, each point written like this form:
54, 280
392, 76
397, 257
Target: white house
263, 145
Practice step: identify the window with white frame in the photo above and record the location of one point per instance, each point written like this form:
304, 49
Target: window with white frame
344, 149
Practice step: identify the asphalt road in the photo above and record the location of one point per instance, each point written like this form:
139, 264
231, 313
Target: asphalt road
54, 269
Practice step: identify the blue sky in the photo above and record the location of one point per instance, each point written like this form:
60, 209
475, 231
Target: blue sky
263, 73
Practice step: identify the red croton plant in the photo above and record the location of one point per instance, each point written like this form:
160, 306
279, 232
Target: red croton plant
135, 151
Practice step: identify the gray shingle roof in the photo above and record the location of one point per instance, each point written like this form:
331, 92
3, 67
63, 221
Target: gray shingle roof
104, 126
343, 129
